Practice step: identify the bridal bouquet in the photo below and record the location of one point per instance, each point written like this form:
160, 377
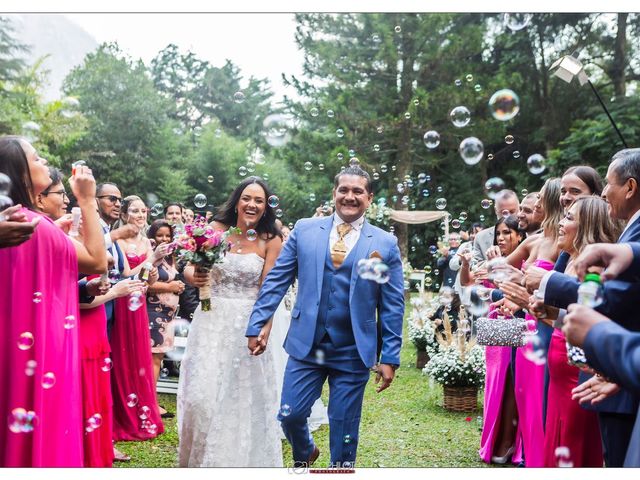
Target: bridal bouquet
202, 245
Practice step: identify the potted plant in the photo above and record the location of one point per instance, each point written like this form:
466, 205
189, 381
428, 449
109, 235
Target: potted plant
422, 332
459, 365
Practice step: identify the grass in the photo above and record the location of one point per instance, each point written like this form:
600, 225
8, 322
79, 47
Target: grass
404, 426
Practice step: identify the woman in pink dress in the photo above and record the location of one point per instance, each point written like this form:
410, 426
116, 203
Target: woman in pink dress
135, 409
567, 423
499, 442
40, 392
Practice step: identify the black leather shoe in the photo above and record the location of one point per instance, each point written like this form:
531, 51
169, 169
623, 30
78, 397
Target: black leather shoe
314, 456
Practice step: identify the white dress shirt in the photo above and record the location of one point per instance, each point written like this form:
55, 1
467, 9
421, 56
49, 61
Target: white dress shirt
351, 238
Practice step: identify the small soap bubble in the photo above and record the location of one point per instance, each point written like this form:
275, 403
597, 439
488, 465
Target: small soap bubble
431, 139
69, 322
30, 368
460, 116
164, 373
25, 340
536, 164
144, 412
457, 82
200, 200
504, 104
383, 168
320, 355
517, 21
285, 410
48, 380
273, 201
340, 133
347, 439
330, 113
133, 302
471, 150
407, 115
455, 223
314, 112
107, 364
279, 213
37, 297
534, 350
516, 154
238, 97
132, 400
509, 139
397, 29
308, 166
493, 186
441, 203
252, 235
485, 203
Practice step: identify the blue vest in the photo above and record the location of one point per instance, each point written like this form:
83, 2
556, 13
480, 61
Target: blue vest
334, 316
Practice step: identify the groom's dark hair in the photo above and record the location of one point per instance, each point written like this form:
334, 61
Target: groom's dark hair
354, 170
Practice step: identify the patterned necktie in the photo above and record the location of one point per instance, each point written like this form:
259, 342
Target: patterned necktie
339, 249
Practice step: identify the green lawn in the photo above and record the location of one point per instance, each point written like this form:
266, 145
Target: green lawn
404, 426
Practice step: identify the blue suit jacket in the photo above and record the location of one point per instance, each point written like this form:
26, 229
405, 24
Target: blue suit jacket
304, 255
615, 352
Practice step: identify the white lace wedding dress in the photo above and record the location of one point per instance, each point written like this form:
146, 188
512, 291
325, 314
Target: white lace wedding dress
227, 399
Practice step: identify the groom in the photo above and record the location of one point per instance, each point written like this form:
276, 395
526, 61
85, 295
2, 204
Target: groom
333, 332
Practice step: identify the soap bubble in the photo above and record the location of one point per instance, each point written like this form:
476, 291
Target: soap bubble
493, 186
31, 131
383, 168
252, 235
156, 210
457, 82
460, 116
475, 301
477, 87
504, 104
469, 78
144, 412
407, 115
69, 322
376, 148
330, 113
563, 457
22, 421
534, 350
471, 150
242, 171
490, 156
373, 269
431, 139
497, 269
37, 297
48, 380
308, 166
340, 133
30, 368
25, 340
238, 97
455, 223
107, 364
536, 164
285, 410
132, 400
134, 303
463, 216
422, 177
517, 21
314, 112
321, 167
441, 203
5, 184
524, 192
70, 107
397, 29
200, 200
485, 203
276, 129
516, 154
509, 139
273, 201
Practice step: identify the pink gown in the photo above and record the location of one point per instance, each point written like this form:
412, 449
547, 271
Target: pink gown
568, 424
40, 399
135, 408
498, 362
97, 404
529, 386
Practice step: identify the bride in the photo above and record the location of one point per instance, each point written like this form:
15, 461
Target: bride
227, 399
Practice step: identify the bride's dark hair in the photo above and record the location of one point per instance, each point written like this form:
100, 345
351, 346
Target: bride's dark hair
228, 215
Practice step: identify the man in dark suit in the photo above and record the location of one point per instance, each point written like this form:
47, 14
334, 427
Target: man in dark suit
616, 413
613, 351
446, 254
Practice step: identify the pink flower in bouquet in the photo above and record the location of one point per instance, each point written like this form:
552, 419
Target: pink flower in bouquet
200, 241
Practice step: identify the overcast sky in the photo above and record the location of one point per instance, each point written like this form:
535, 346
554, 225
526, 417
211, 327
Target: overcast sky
262, 45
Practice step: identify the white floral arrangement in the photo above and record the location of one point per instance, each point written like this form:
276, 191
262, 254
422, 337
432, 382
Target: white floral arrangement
460, 362
421, 329
379, 214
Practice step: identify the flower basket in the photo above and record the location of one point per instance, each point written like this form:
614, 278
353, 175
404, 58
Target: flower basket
422, 359
460, 399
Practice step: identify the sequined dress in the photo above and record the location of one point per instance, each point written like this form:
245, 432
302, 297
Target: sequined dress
227, 399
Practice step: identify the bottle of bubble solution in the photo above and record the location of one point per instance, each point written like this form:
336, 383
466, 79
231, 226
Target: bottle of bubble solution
590, 295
